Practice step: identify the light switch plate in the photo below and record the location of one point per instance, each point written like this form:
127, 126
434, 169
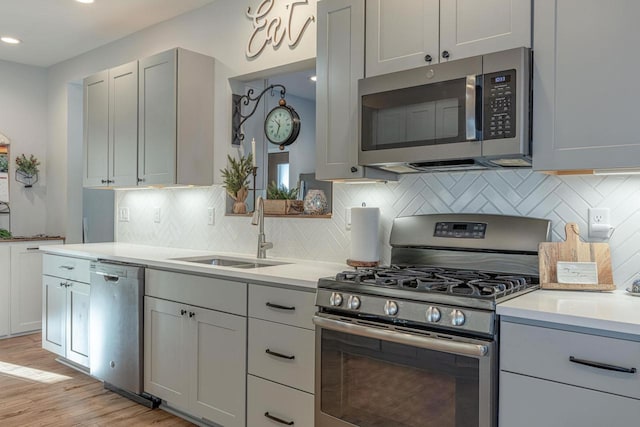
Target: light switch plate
347, 218
157, 214
123, 214
211, 215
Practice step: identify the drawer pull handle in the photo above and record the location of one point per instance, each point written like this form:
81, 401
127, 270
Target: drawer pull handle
280, 307
602, 365
67, 267
276, 354
279, 420
33, 248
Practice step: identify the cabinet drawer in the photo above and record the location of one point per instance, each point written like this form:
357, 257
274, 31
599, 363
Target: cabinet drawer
208, 292
76, 269
282, 305
544, 353
531, 402
265, 398
281, 353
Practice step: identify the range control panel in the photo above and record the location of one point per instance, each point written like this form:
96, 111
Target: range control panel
460, 230
500, 105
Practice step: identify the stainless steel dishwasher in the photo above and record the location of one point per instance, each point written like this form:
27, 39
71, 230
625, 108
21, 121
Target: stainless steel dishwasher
116, 329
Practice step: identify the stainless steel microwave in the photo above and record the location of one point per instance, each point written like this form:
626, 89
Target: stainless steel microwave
471, 113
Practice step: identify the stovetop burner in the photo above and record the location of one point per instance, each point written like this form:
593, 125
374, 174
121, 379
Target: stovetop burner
456, 282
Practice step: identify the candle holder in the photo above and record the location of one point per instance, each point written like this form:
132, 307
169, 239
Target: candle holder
255, 173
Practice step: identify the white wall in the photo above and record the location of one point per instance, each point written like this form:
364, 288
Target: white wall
220, 30
23, 119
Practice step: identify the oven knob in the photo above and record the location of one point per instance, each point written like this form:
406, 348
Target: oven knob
457, 318
433, 315
354, 302
336, 299
390, 308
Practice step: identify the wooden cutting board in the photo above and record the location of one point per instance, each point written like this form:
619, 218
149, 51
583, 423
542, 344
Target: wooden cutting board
574, 250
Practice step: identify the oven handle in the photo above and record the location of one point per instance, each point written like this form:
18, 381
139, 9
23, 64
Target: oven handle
465, 349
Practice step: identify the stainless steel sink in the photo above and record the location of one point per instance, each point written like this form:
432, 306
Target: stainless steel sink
230, 262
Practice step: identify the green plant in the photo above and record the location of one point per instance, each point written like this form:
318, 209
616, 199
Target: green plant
236, 175
281, 193
27, 166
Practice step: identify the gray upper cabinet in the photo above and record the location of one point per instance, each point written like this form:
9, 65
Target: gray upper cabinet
175, 130
407, 34
111, 127
339, 65
401, 35
150, 122
96, 129
585, 111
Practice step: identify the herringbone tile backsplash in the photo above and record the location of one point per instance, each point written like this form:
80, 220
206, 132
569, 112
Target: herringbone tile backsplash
561, 199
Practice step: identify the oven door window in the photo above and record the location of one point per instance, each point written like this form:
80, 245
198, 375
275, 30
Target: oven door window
410, 117
373, 383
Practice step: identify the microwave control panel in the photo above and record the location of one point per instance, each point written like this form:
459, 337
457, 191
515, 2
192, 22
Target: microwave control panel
499, 105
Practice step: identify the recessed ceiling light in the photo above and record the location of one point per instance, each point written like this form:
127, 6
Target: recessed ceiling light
85, 1
10, 40
313, 78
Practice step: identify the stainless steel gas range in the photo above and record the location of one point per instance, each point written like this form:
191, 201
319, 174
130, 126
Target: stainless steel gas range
416, 343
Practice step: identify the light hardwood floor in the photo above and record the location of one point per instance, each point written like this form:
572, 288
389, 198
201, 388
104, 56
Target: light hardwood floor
35, 390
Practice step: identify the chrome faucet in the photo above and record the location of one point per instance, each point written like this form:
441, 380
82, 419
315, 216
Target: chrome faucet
258, 218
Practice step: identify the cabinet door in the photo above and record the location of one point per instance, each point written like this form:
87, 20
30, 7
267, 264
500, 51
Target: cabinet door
26, 290
472, 27
5, 284
585, 113
218, 388
77, 323
401, 35
560, 405
54, 309
165, 345
123, 124
157, 119
96, 129
339, 65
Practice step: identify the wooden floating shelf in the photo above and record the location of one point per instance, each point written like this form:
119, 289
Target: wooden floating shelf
328, 216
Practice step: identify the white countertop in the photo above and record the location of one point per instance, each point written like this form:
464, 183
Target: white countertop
299, 273
615, 311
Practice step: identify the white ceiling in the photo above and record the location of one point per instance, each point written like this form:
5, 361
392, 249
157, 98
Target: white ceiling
297, 83
55, 30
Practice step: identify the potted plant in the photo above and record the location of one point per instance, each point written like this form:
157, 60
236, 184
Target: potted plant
282, 201
236, 181
27, 170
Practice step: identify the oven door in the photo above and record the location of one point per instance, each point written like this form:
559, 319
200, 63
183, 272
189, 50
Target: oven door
375, 375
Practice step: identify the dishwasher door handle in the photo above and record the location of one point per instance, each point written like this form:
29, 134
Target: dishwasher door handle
108, 277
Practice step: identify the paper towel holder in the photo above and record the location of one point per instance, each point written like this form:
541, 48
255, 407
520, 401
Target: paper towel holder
362, 264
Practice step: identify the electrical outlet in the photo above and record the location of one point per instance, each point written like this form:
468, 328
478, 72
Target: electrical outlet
347, 218
123, 214
157, 214
211, 214
599, 223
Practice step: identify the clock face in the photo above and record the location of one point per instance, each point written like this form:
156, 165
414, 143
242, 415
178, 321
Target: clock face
279, 125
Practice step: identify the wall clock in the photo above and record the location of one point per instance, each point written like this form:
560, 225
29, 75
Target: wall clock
282, 125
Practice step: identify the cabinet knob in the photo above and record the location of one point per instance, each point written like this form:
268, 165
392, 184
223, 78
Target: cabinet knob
191, 314
105, 181
428, 58
140, 179
354, 169
183, 312
445, 54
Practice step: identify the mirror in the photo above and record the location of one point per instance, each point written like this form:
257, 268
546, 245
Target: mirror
291, 166
5, 217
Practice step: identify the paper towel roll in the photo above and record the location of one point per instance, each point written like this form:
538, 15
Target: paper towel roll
365, 245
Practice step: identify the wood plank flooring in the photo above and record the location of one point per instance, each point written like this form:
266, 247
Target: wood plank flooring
35, 390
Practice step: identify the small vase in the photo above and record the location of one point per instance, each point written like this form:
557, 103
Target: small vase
239, 205
27, 179
315, 203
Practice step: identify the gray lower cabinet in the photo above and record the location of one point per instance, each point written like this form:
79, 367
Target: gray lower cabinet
554, 377
195, 356
585, 112
281, 355
65, 307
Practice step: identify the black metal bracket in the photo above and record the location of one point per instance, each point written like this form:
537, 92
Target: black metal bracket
238, 102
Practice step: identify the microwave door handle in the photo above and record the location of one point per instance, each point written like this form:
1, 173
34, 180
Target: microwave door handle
470, 107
